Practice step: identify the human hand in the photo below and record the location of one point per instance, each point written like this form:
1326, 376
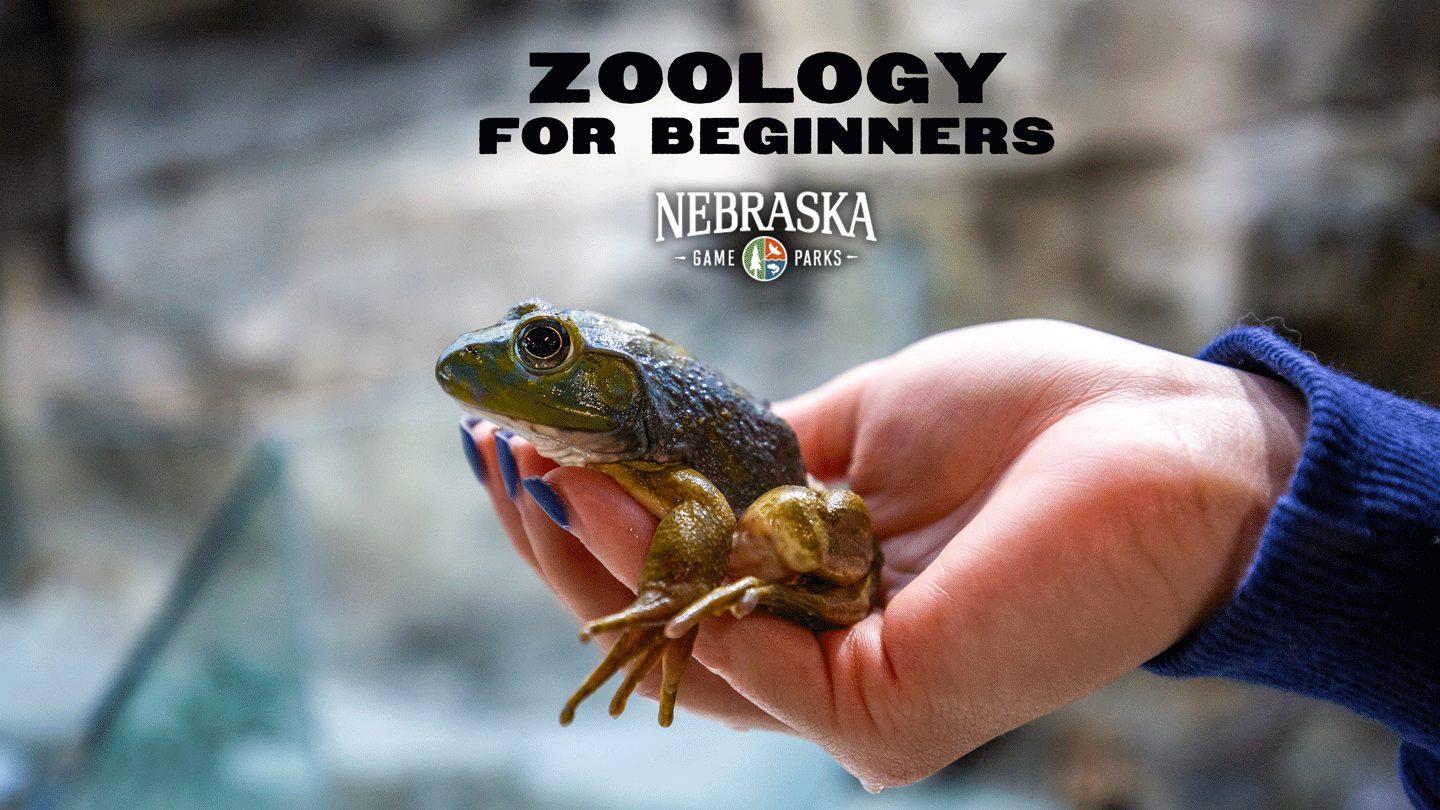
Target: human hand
1055, 505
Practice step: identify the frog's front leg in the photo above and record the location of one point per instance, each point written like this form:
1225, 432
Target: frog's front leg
802, 553
688, 557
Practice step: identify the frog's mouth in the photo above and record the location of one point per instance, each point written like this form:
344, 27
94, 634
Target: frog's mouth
574, 447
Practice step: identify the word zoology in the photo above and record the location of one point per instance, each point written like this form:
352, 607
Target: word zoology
829, 77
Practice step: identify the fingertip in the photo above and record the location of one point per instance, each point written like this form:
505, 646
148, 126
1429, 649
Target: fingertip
479, 429
593, 492
824, 423
548, 500
472, 453
610, 523
505, 459
481, 434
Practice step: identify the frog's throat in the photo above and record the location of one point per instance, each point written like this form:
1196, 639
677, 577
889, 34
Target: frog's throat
574, 447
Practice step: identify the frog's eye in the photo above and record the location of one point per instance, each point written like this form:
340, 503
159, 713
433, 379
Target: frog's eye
542, 345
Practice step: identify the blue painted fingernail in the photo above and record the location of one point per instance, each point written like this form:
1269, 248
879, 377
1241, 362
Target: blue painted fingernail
508, 472
469, 421
548, 499
472, 454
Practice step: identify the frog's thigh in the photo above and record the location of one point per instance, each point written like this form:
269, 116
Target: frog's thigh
686, 560
689, 552
798, 530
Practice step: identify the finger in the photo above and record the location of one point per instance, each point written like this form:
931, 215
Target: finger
709, 695
550, 545
916, 444
590, 590
774, 664
614, 527
825, 421
484, 435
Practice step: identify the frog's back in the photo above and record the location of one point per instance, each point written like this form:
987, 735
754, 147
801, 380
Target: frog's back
695, 415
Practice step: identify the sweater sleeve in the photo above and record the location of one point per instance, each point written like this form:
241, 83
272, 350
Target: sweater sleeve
1342, 600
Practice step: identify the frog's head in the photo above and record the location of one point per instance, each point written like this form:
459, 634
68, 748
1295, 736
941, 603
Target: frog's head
557, 377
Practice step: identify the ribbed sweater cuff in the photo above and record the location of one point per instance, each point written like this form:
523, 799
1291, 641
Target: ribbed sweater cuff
1342, 601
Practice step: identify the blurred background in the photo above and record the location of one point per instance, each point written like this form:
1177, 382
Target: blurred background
242, 562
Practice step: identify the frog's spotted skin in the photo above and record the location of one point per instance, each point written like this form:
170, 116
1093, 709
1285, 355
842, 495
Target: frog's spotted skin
721, 471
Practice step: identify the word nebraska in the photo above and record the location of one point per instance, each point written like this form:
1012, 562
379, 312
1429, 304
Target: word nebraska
826, 212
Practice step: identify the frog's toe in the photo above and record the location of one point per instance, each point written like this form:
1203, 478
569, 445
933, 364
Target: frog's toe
639, 668
639, 649
648, 610
634, 646
816, 608
677, 657
740, 597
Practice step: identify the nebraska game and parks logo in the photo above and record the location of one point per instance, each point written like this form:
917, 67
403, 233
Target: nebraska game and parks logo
764, 258
762, 219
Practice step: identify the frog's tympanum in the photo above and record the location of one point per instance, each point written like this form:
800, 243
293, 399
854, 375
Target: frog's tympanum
740, 528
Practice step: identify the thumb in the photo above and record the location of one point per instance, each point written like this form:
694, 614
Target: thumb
825, 419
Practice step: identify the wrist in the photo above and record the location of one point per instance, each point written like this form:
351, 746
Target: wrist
1338, 601
1281, 418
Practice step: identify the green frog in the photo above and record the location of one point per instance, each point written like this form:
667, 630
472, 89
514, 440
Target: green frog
741, 526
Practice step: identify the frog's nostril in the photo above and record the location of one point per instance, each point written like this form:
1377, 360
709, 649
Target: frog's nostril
445, 373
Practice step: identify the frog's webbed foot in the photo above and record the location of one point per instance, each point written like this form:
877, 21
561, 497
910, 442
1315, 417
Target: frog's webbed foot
639, 648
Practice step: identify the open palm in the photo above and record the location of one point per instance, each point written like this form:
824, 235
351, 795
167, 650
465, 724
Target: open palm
1055, 505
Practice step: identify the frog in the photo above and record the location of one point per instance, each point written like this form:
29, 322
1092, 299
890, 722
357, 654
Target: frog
741, 525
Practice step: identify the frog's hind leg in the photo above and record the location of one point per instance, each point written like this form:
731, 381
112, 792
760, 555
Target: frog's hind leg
817, 541
818, 607
824, 607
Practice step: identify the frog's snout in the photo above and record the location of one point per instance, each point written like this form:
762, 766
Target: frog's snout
445, 375
459, 369
448, 375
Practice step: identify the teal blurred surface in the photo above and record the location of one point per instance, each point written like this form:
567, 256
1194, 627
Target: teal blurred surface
210, 710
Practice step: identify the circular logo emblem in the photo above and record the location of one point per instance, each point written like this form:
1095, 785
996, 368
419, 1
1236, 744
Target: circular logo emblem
764, 258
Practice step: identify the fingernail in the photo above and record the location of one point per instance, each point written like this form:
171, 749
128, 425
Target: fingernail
472, 454
469, 421
548, 500
508, 472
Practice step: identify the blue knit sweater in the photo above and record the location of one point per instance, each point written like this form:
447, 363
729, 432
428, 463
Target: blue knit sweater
1342, 601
